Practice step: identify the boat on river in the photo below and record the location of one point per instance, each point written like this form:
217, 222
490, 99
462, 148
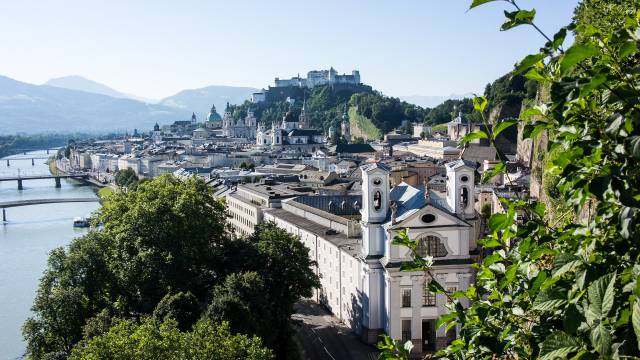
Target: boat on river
81, 222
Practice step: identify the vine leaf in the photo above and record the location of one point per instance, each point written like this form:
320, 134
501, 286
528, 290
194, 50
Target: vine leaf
479, 103
549, 300
635, 319
527, 62
479, 2
502, 126
601, 296
517, 18
576, 54
478, 134
559, 345
601, 339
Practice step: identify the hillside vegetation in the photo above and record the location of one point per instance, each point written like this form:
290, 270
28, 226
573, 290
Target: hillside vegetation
325, 106
361, 126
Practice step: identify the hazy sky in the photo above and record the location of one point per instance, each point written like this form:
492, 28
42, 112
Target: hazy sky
154, 48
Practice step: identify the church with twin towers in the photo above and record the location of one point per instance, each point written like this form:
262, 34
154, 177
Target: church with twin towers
350, 239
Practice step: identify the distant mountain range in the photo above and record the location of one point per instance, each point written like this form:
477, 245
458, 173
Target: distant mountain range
200, 100
433, 101
75, 82
76, 104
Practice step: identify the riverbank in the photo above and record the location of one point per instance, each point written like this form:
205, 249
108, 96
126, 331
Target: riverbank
27, 239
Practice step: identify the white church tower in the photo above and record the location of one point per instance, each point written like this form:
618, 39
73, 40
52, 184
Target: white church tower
375, 208
460, 188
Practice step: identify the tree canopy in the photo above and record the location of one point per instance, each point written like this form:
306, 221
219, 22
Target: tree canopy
148, 340
163, 252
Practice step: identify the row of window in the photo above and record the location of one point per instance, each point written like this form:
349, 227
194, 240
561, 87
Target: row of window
428, 297
238, 207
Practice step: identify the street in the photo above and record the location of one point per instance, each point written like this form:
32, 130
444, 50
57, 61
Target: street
323, 337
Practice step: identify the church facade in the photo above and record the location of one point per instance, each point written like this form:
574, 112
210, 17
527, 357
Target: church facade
242, 128
350, 238
292, 134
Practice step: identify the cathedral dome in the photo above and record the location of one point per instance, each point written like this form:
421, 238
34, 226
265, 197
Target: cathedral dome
213, 115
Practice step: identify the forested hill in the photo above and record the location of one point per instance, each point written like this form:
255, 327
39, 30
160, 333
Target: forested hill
325, 105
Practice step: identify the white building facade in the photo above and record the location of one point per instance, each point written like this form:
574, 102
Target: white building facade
359, 267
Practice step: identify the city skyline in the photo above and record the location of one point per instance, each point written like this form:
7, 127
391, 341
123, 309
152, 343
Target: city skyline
154, 49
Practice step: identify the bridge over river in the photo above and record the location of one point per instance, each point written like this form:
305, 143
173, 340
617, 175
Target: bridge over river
15, 203
20, 179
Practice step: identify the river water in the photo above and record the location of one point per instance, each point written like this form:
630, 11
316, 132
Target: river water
30, 233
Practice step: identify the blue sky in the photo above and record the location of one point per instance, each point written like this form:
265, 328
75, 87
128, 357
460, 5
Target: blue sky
156, 48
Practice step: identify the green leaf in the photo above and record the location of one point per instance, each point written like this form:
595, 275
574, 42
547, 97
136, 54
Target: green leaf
530, 131
530, 112
635, 146
533, 74
445, 319
502, 126
475, 3
527, 62
558, 38
517, 18
576, 54
601, 339
491, 243
627, 49
564, 263
479, 103
635, 319
478, 134
499, 222
601, 296
549, 300
435, 287
572, 319
489, 174
615, 122
559, 345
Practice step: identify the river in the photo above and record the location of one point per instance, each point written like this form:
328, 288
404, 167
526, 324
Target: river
30, 233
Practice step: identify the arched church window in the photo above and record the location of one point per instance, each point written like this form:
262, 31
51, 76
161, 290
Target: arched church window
377, 201
432, 246
464, 198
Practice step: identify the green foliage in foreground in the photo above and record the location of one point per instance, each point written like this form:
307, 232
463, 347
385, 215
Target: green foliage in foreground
149, 340
567, 286
161, 252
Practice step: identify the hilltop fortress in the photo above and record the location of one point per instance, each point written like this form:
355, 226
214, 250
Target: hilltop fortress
295, 86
